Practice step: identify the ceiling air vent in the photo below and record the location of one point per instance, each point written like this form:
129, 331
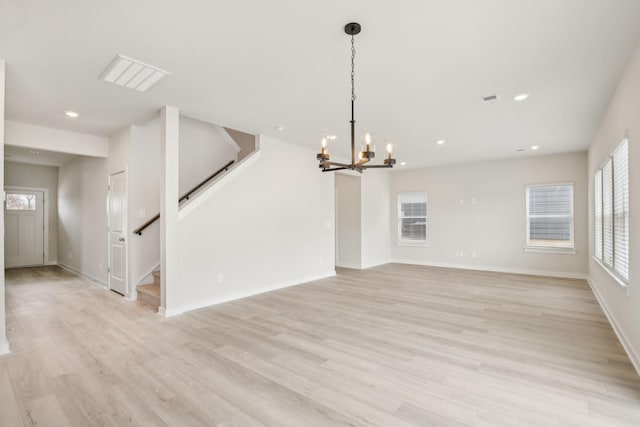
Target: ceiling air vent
491, 99
132, 74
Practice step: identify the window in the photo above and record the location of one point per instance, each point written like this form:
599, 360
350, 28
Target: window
412, 217
550, 216
21, 202
611, 212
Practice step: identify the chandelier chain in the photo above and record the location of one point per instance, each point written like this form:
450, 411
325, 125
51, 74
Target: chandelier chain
353, 65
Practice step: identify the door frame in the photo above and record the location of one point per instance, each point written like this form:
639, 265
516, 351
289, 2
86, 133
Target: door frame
45, 198
125, 228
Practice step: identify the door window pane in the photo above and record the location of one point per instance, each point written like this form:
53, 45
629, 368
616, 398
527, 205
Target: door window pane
21, 202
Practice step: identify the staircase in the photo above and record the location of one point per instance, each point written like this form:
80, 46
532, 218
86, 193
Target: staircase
150, 294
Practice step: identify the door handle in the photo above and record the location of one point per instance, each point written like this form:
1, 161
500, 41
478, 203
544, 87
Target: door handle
121, 239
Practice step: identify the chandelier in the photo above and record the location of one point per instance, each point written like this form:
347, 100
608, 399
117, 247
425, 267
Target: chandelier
367, 150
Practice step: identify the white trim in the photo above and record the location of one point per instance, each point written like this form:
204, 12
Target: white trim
232, 297
375, 264
217, 184
493, 269
550, 250
418, 243
626, 343
614, 275
77, 272
4, 348
353, 265
45, 201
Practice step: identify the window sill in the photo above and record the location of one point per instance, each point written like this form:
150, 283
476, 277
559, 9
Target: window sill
620, 281
545, 250
408, 243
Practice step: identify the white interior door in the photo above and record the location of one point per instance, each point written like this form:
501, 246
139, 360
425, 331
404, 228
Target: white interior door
117, 226
24, 228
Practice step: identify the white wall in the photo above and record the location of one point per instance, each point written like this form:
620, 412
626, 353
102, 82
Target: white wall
204, 149
82, 209
44, 138
376, 211
622, 117
27, 175
4, 344
261, 227
144, 200
348, 220
493, 227
82, 217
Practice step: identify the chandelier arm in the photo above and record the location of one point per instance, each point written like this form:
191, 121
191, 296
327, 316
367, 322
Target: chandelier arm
335, 169
375, 166
361, 162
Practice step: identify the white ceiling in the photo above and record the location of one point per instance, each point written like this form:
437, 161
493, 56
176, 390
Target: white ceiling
421, 68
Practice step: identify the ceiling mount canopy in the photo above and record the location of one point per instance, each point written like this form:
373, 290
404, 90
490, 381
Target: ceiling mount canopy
367, 151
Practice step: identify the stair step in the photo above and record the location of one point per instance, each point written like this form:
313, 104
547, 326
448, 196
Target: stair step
156, 278
149, 294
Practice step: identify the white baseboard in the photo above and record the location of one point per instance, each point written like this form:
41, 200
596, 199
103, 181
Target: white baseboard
232, 297
493, 269
375, 264
81, 274
626, 343
348, 265
4, 348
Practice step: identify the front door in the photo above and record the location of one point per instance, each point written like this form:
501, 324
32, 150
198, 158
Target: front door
24, 228
117, 243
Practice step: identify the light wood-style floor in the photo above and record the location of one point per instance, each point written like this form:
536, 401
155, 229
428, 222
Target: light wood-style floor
390, 346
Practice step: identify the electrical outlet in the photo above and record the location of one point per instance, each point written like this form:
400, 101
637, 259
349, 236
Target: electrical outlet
220, 277
70, 255
320, 260
459, 253
474, 254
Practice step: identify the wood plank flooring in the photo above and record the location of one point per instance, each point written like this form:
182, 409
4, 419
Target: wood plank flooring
393, 346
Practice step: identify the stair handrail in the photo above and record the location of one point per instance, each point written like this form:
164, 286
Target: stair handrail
188, 194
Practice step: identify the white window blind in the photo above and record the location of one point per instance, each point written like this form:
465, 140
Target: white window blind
597, 213
611, 213
607, 210
412, 217
621, 210
550, 215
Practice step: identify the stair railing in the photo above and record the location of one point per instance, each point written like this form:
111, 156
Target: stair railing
188, 194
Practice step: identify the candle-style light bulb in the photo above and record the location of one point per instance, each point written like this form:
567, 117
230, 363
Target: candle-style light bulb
367, 141
324, 145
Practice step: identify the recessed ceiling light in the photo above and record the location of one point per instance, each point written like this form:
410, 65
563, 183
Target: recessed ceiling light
403, 163
521, 97
534, 147
331, 137
520, 150
34, 152
440, 142
132, 74
279, 128
72, 114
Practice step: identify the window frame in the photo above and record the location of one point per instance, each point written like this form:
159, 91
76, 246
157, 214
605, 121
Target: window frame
532, 247
400, 241
611, 268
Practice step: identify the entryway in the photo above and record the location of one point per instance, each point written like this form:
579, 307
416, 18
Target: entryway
24, 243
